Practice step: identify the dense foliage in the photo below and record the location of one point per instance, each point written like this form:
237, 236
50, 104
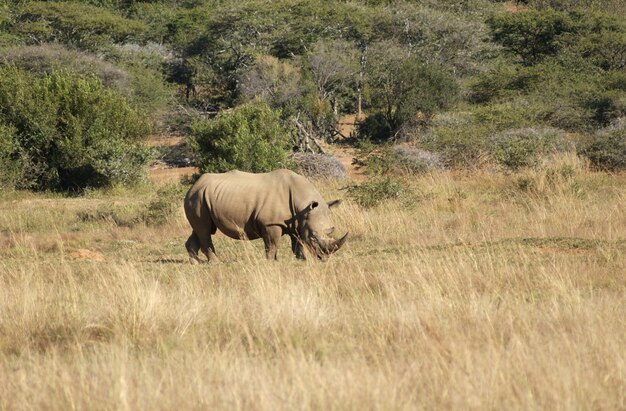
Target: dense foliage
66, 131
468, 82
250, 138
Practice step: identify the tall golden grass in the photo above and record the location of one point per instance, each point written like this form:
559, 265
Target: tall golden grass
478, 292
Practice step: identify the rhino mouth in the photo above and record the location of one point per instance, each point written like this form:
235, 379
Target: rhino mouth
326, 246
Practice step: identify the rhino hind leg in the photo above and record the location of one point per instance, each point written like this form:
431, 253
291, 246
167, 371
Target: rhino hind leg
197, 242
193, 246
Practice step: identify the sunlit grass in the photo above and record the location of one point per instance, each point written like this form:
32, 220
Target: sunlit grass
480, 293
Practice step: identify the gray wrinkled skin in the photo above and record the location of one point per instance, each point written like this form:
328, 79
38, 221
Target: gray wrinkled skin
250, 206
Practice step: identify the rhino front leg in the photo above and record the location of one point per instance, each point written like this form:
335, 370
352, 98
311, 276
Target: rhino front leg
271, 238
296, 247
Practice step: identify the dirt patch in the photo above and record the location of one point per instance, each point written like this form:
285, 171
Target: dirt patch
160, 176
345, 155
165, 140
347, 125
343, 151
512, 7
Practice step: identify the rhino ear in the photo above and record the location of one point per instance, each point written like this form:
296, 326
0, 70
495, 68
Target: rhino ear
334, 203
310, 207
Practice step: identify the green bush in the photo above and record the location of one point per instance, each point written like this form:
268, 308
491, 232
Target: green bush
604, 49
7, 38
404, 91
46, 58
375, 128
501, 81
519, 148
376, 190
9, 169
521, 112
144, 87
606, 150
251, 138
68, 132
605, 106
163, 207
530, 35
460, 147
80, 25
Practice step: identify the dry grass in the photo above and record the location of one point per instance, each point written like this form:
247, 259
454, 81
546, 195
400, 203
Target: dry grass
489, 292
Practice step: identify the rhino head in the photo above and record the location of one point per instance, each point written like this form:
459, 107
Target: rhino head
315, 229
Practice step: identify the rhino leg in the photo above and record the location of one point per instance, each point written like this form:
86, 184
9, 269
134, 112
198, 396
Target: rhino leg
296, 247
271, 237
202, 242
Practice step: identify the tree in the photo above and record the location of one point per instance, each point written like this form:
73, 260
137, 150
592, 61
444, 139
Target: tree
530, 35
272, 80
333, 65
404, 90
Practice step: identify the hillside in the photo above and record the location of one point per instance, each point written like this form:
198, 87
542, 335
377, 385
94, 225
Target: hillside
473, 83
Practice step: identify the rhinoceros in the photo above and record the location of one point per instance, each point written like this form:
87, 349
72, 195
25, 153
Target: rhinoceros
267, 205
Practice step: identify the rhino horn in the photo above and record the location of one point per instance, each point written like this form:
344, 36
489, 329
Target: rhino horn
334, 245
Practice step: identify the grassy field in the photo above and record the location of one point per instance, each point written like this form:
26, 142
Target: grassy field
479, 291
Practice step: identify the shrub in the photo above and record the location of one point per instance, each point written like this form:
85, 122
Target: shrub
463, 147
531, 35
69, 132
521, 112
376, 190
44, 59
319, 165
606, 106
163, 207
375, 128
81, 25
9, 173
560, 174
440, 37
524, 147
413, 160
387, 159
604, 49
6, 20
160, 209
606, 150
250, 138
144, 87
500, 81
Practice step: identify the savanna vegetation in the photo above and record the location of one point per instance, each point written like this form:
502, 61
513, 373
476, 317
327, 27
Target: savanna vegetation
480, 148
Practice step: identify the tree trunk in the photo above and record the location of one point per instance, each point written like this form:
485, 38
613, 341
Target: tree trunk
363, 65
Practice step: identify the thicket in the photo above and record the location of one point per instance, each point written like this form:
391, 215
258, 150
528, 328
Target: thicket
65, 131
82, 25
466, 83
